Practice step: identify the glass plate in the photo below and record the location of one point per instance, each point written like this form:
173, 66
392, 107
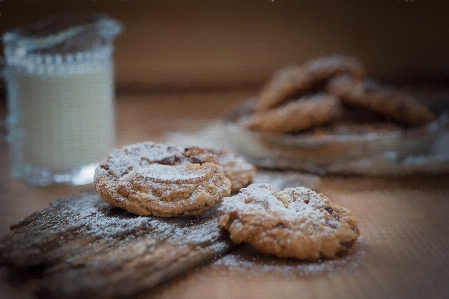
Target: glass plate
405, 151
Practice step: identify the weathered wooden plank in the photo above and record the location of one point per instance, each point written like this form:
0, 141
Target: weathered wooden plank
81, 246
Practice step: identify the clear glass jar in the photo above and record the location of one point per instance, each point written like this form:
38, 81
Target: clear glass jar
60, 91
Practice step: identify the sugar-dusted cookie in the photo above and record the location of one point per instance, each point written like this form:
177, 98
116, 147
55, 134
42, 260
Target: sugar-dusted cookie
387, 101
293, 223
294, 81
301, 114
238, 170
161, 180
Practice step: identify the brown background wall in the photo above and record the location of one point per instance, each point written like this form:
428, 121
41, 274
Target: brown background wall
181, 45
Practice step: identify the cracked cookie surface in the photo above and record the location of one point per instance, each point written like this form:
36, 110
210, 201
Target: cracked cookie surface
293, 223
161, 180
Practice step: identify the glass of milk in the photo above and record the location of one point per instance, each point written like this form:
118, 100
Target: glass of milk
60, 93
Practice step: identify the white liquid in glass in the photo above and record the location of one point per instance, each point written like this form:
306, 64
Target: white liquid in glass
59, 76
61, 122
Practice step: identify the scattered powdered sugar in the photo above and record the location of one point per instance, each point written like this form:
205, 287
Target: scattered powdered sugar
198, 234
213, 136
249, 261
225, 157
253, 196
88, 216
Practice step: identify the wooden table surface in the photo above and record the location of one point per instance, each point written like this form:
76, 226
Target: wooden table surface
404, 222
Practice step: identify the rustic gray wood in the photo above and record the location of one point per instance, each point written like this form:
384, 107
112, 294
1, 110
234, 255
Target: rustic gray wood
82, 247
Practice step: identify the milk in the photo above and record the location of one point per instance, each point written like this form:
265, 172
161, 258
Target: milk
60, 91
61, 121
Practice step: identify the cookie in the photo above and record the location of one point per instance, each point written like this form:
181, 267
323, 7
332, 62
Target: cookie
237, 170
294, 81
301, 114
293, 223
389, 102
161, 180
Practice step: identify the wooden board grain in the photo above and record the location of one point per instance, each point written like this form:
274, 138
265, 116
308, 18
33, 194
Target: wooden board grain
82, 247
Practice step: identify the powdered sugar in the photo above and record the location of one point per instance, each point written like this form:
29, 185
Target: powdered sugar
89, 216
290, 204
247, 260
173, 173
139, 155
213, 136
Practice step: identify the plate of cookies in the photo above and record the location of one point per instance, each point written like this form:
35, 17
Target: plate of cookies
327, 116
